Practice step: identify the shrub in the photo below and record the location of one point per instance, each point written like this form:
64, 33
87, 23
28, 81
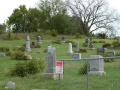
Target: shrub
84, 44
20, 56
38, 46
26, 68
106, 45
56, 42
19, 48
4, 49
83, 69
82, 50
116, 44
54, 33
101, 41
94, 41
107, 59
77, 35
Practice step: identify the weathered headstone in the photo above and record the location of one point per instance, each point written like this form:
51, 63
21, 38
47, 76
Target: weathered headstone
91, 46
70, 48
96, 65
27, 48
50, 61
112, 53
2, 55
77, 46
87, 41
10, 85
38, 41
76, 56
34, 44
101, 50
91, 38
63, 38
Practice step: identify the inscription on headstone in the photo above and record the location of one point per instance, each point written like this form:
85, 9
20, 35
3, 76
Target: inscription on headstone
96, 65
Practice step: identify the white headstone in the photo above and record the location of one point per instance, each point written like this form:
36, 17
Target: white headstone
70, 48
27, 49
96, 65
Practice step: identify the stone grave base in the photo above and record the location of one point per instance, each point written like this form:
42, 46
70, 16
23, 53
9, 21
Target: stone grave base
97, 73
54, 76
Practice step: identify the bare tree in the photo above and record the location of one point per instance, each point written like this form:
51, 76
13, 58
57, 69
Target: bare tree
92, 14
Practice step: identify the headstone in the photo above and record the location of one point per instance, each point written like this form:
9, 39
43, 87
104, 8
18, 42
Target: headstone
63, 39
10, 85
96, 65
76, 56
27, 49
38, 41
2, 55
77, 46
112, 53
34, 44
70, 48
101, 50
87, 41
91, 38
50, 61
91, 46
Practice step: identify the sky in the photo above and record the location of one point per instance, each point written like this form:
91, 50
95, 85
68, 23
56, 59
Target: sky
7, 6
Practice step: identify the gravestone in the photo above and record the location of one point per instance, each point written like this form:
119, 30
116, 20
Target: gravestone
101, 50
87, 41
70, 48
91, 38
50, 61
2, 55
91, 46
96, 65
34, 44
27, 48
76, 56
112, 53
63, 38
77, 46
38, 41
118, 40
10, 85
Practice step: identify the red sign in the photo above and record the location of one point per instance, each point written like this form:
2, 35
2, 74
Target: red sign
59, 67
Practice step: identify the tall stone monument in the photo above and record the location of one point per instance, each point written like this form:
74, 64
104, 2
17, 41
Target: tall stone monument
50, 62
27, 48
77, 46
96, 65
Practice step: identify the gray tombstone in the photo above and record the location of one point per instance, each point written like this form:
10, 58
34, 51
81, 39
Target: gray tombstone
91, 46
51, 59
76, 56
96, 65
63, 38
87, 41
118, 40
101, 50
91, 38
38, 41
112, 53
27, 48
2, 55
10, 85
34, 44
77, 46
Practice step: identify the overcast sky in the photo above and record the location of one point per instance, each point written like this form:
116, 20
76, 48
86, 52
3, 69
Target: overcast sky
7, 6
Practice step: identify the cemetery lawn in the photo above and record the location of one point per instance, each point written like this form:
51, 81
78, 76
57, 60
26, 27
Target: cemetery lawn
71, 79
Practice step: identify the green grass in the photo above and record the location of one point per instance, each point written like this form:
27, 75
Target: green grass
71, 79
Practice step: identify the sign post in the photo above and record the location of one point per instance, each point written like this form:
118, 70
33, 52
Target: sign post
59, 70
